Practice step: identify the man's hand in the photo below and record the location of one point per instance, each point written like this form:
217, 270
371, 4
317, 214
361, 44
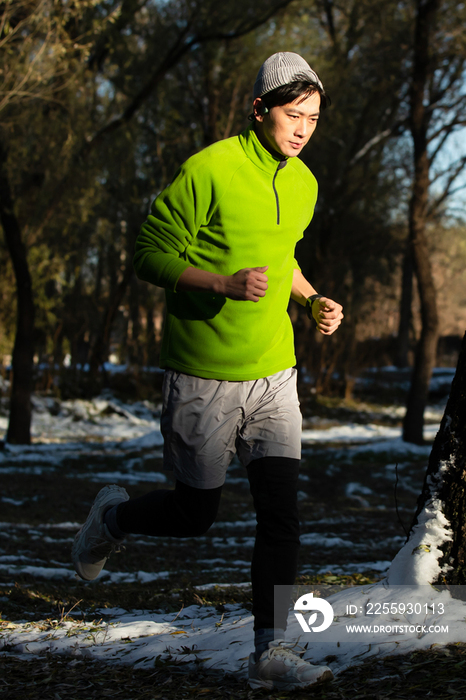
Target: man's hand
249, 284
327, 314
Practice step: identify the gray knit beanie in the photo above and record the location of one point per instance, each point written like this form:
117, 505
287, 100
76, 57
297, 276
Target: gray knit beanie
281, 69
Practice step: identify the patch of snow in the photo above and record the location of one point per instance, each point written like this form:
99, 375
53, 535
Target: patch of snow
111, 577
210, 586
354, 568
251, 522
150, 439
353, 487
317, 539
349, 432
42, 572
12, 501
417, 562
122, 477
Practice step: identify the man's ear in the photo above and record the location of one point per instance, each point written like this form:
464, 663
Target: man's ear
259, 109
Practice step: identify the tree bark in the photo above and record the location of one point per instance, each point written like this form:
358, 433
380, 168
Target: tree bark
406, 303
419, 122
445, 477
19, 427
426, 351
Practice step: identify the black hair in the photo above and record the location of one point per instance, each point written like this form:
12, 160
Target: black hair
283, 95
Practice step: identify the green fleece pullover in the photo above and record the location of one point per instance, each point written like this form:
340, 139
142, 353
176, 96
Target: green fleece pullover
231, 206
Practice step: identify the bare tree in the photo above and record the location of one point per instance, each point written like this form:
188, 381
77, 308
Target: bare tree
436, 109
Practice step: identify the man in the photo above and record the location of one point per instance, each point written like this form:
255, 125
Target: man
221, 239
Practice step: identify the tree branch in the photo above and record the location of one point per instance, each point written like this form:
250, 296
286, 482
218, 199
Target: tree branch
126, 14
326, 7
439, 93
395, 129
448, 128
181, 46
447, 192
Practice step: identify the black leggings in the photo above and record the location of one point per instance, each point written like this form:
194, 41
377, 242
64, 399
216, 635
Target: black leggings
186, 511
274, 487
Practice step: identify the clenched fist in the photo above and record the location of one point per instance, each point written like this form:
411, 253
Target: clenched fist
327, 314
249, 284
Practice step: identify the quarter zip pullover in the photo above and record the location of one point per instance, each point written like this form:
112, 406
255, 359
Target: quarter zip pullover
218, 215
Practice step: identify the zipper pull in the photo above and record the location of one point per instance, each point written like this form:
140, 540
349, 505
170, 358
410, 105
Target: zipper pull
280, 166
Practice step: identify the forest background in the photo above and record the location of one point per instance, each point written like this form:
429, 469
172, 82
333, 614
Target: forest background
100, 102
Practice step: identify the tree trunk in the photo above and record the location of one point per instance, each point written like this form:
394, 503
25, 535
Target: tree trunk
19, 427
135, 348
419, 122
426, 351
445, 478
100, 349
405, 309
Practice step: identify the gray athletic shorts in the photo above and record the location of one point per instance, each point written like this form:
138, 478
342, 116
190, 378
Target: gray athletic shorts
205, 422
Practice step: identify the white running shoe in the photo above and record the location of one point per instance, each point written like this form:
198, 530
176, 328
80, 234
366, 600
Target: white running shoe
282, 667
93, 544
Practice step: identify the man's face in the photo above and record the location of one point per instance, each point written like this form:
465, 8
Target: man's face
287, 129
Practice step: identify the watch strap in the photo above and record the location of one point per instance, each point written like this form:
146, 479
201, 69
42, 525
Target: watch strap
309, 302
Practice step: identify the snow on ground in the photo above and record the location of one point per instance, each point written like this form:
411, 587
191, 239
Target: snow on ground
375, 437
60, 428
412, 616
103, 419
375, 620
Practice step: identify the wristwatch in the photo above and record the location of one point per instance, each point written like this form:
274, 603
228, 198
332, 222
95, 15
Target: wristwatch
309, 303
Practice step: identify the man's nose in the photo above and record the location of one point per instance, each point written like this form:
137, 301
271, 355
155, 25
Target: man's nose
301, 129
